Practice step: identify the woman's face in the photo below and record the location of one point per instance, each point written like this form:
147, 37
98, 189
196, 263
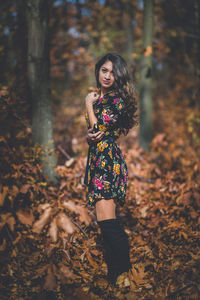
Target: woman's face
106, 76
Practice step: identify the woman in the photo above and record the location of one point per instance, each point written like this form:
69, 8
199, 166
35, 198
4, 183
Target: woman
109, 113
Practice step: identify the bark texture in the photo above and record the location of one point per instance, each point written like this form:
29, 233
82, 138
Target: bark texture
38, 77
146, 111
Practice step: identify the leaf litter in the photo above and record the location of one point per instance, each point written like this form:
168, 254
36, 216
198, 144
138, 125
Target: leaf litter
50, 244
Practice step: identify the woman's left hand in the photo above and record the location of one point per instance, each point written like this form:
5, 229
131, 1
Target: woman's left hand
94, 137
91, 98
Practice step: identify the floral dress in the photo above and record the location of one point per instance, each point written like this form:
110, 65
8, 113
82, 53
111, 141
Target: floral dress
106, 172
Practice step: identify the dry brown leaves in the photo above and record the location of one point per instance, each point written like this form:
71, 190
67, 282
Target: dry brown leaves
51, 245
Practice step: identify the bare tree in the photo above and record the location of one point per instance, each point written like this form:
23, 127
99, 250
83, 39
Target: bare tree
146, 110
38, 77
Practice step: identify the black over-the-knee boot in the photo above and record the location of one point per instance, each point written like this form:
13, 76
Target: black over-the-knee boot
116, 247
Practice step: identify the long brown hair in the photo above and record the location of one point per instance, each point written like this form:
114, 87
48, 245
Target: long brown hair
124, 86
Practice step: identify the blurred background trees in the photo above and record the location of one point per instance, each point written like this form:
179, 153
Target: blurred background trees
48, 232
81, 31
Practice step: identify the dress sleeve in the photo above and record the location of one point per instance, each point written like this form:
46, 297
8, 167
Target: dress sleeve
87, 121
108, 119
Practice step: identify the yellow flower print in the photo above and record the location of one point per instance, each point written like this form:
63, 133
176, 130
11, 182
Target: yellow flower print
90, 158
105, 100
120, 106
116, 169
116, 132
102, 127
122, 188
103, 164
110, 153
102, 145
106, 186
91, 199
87, 120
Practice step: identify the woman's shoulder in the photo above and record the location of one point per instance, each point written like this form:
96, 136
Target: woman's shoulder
115, 98
114, 94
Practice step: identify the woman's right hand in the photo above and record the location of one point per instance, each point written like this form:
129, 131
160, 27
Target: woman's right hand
91, 98
94, 137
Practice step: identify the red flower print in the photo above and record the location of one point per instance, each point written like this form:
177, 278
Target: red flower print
116, 100
98, 184
106, 118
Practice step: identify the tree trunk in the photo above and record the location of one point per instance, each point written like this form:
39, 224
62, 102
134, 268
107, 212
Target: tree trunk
145, 132
196, 93
20, 48
129, 32
38, 77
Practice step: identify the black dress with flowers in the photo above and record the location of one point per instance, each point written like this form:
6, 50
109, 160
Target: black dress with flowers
106, 172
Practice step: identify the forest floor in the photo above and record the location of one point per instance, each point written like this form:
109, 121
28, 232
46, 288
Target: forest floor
50, 243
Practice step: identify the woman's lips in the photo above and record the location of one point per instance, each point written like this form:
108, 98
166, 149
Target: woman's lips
106, 82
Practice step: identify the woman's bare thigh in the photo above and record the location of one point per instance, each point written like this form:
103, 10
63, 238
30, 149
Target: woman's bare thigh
105, 209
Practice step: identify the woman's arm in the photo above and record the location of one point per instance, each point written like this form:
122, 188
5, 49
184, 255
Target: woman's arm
97, 136
91, 115
93, 137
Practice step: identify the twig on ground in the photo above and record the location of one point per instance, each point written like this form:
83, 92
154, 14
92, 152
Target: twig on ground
63, 151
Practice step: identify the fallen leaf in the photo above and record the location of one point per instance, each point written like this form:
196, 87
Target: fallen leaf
24, 189
70, 162
3, 245
25, 217
50, 280
66, 271
138, 274
53, 230
82, 211
65, 223
91, 260
184, 199
3, 195
38, 225
11, 222
123, 280
42, 207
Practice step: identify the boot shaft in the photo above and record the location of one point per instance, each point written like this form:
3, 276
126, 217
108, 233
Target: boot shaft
116, 246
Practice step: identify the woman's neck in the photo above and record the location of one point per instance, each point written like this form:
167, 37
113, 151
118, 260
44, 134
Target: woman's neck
105, 91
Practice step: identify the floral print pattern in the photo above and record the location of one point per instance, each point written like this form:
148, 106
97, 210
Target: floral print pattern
106, 172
